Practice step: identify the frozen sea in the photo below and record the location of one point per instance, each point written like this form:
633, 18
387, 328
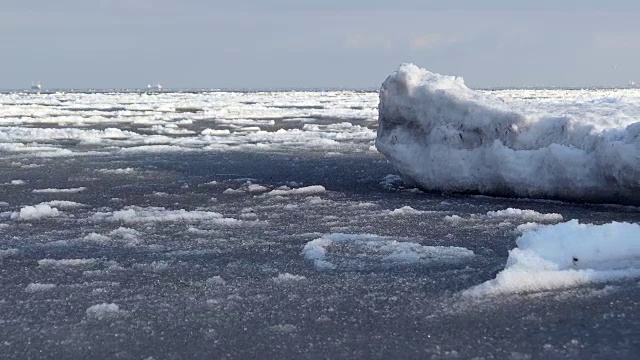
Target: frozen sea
266, 225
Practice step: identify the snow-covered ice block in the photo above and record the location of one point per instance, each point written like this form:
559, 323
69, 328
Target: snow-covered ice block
441, 135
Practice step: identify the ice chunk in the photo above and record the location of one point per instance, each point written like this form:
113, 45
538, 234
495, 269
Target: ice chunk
443, 136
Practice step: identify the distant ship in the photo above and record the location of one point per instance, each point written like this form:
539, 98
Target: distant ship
36, 86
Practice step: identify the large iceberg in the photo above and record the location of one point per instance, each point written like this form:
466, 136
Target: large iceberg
442, 136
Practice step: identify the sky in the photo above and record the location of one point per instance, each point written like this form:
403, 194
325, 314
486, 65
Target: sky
316, 44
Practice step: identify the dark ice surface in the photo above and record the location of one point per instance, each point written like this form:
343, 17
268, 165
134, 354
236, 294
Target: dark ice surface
193, 290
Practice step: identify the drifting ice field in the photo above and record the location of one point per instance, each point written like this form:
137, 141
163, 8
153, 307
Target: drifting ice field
266, 225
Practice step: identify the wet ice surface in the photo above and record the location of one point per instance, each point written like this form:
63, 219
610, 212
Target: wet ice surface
190, 246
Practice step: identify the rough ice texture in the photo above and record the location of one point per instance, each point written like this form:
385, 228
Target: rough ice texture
442, 136
566, 255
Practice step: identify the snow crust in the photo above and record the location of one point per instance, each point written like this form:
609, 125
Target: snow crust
566, 255
443, 136
340, 250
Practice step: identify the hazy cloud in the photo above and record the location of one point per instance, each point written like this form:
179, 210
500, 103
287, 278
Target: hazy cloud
429, 41
617, 41
367, 41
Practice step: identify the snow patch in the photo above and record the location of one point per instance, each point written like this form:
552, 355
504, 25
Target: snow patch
287, 278
39, 287
64, 191
340, 250
407, 210
307, 190
567, 255
104, 311
35, 212
63, 263
524, 215
136, 214
63, 204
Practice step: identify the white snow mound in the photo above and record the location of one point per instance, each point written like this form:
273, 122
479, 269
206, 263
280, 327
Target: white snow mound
443, 136
567, 255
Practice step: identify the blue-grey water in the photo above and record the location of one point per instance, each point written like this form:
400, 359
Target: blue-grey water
238, 286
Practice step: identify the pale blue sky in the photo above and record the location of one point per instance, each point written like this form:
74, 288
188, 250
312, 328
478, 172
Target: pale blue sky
330, 43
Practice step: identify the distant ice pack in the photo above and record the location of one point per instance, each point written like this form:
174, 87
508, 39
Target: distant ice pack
443, 136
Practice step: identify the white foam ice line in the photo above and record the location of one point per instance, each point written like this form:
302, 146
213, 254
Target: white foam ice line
63, 204
121, 235
288, 278
443, 136
407, 210
62, 191
119, 171
524, 215
35, 212
566, 255
344, 250
39, 287
157, 149
63, 263
137, 214
307, 190
5, 253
